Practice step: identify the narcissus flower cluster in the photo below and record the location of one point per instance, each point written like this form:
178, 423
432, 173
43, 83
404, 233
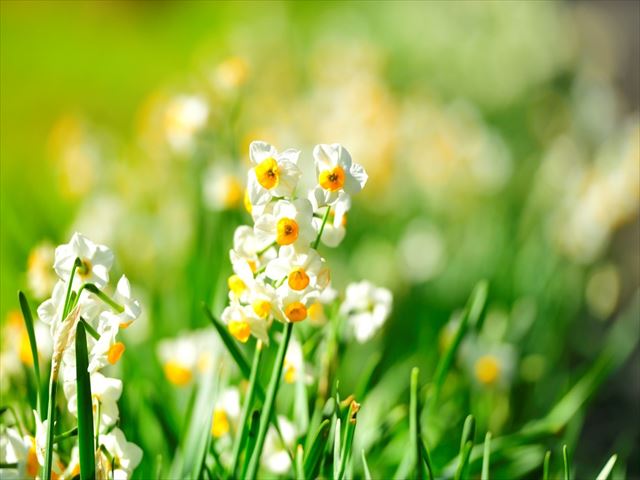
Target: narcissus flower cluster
277, 270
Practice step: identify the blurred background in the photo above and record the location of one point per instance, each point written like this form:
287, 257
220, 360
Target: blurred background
502, 141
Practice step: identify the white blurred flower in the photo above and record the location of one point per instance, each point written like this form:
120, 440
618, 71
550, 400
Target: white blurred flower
184, 117
366, 307
20, 450
273, 174
222, 189
95, 261
227, 408
489, 364
40, 274
274, 455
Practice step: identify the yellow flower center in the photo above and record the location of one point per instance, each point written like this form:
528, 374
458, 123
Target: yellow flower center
261, 307
268, 173
220, 423
287, 231
487, 369
177, 373
124, 325
85, 268
289, 371
32, 462
240, 330
115, 352
232, 193
252, 265
236, 285
296, 312
332, 180
298, 279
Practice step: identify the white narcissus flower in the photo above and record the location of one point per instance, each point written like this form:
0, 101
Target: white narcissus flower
107, 350
294, 306
243, 321
19, 450
366, 307
95, 261
125, 455
273, 174
40, 274
335, 226
122, 296
105, 393
293, 366
299, 270
275, 457
289, 224
337, 172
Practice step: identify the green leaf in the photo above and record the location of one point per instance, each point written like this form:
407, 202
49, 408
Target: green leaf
246, 408
85, 407
299, 464
486, 457
468, 431
232, 347
565, 460
463, 470
365, 466
312, 460
254, 426
272, 391
414, 426
28, 321
349, 432
545, 465
606, 470
336, 449
470, 316
427, 460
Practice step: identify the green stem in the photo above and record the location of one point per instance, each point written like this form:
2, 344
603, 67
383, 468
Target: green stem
69, 433
8, 465
51, 411
267, 248
90, 287
67, 304
270, 399
90, 330
324, 222
246, 408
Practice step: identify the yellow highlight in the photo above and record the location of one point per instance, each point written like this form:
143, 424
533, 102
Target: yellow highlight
316, 312
268, 173
247, 201
24, 349
286, 231
220, 423
487, 369
240, 331
289, 372
115, 352
296, 312
332, 180
233, 192
298, 279
236, 285
261, 307
177, 374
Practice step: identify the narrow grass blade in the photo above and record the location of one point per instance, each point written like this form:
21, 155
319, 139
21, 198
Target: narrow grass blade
565, 460
246, 408
254, 426
365, 467
468, 431
545, 465
85, 407
414, 425
463, 466
300, 463
312, 460
608, 467
336, 449
230, 343
470, 316
427, 460
272, 391
367, 374
486, 457
28, 322
349, 432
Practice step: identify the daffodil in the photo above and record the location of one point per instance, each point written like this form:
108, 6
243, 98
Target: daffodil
125, 456
95, 261
366, 307
122, 296
227, 410
293, 368
275, 457
336, 172
301, 271
244, 321
289, 224
273, 174
293, 306
335, 227
107, 350
105, 393
19, 450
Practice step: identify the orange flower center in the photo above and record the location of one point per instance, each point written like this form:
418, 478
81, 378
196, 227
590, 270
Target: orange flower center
332, 180
298, 279
268, 173
115, 352
296, 312
287, 231
240, 330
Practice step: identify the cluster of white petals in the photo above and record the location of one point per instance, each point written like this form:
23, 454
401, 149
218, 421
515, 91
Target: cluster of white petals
277, 270
86, 266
